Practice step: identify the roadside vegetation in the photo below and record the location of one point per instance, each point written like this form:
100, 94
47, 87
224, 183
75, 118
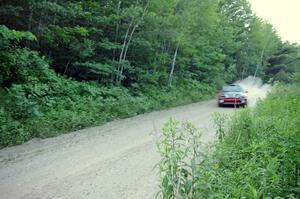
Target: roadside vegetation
256, 155
66, 65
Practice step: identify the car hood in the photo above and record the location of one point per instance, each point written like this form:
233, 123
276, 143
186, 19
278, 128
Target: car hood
232, 94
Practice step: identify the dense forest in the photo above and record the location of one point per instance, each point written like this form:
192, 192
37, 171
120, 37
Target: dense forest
69, 64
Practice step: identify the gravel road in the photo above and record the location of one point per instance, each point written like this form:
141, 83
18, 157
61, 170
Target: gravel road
112, 161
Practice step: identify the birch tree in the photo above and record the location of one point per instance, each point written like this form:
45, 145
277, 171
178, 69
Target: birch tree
134, 23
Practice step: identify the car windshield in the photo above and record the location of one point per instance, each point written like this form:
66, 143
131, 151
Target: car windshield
232, 88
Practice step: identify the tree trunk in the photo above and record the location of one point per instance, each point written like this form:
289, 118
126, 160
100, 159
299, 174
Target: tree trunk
29, 27
133, 30
117, 29
125, 53
122, 51
67, 66
113, 76
129, 40
173, 64
122, 59
260, 61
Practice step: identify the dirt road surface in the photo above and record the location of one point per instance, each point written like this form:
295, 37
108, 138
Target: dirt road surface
112, 161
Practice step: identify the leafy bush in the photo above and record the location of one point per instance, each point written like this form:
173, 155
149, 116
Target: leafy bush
62, 105
37, 102
180, 149
296, 77
11, 131
48, 108
257, 155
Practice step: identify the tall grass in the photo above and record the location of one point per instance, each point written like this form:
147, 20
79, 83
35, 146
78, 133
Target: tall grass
256, 156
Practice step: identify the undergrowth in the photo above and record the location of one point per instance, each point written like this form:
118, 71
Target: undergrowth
41, 110
257, 154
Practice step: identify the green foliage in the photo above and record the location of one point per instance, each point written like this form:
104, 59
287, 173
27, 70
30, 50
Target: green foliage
59, 106
296, 77
36, 102
12, 132
256, 157
284, 63
220, 121
180, 148
8, 35
66, 65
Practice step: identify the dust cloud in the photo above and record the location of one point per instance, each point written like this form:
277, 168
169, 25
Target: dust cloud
256, 89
